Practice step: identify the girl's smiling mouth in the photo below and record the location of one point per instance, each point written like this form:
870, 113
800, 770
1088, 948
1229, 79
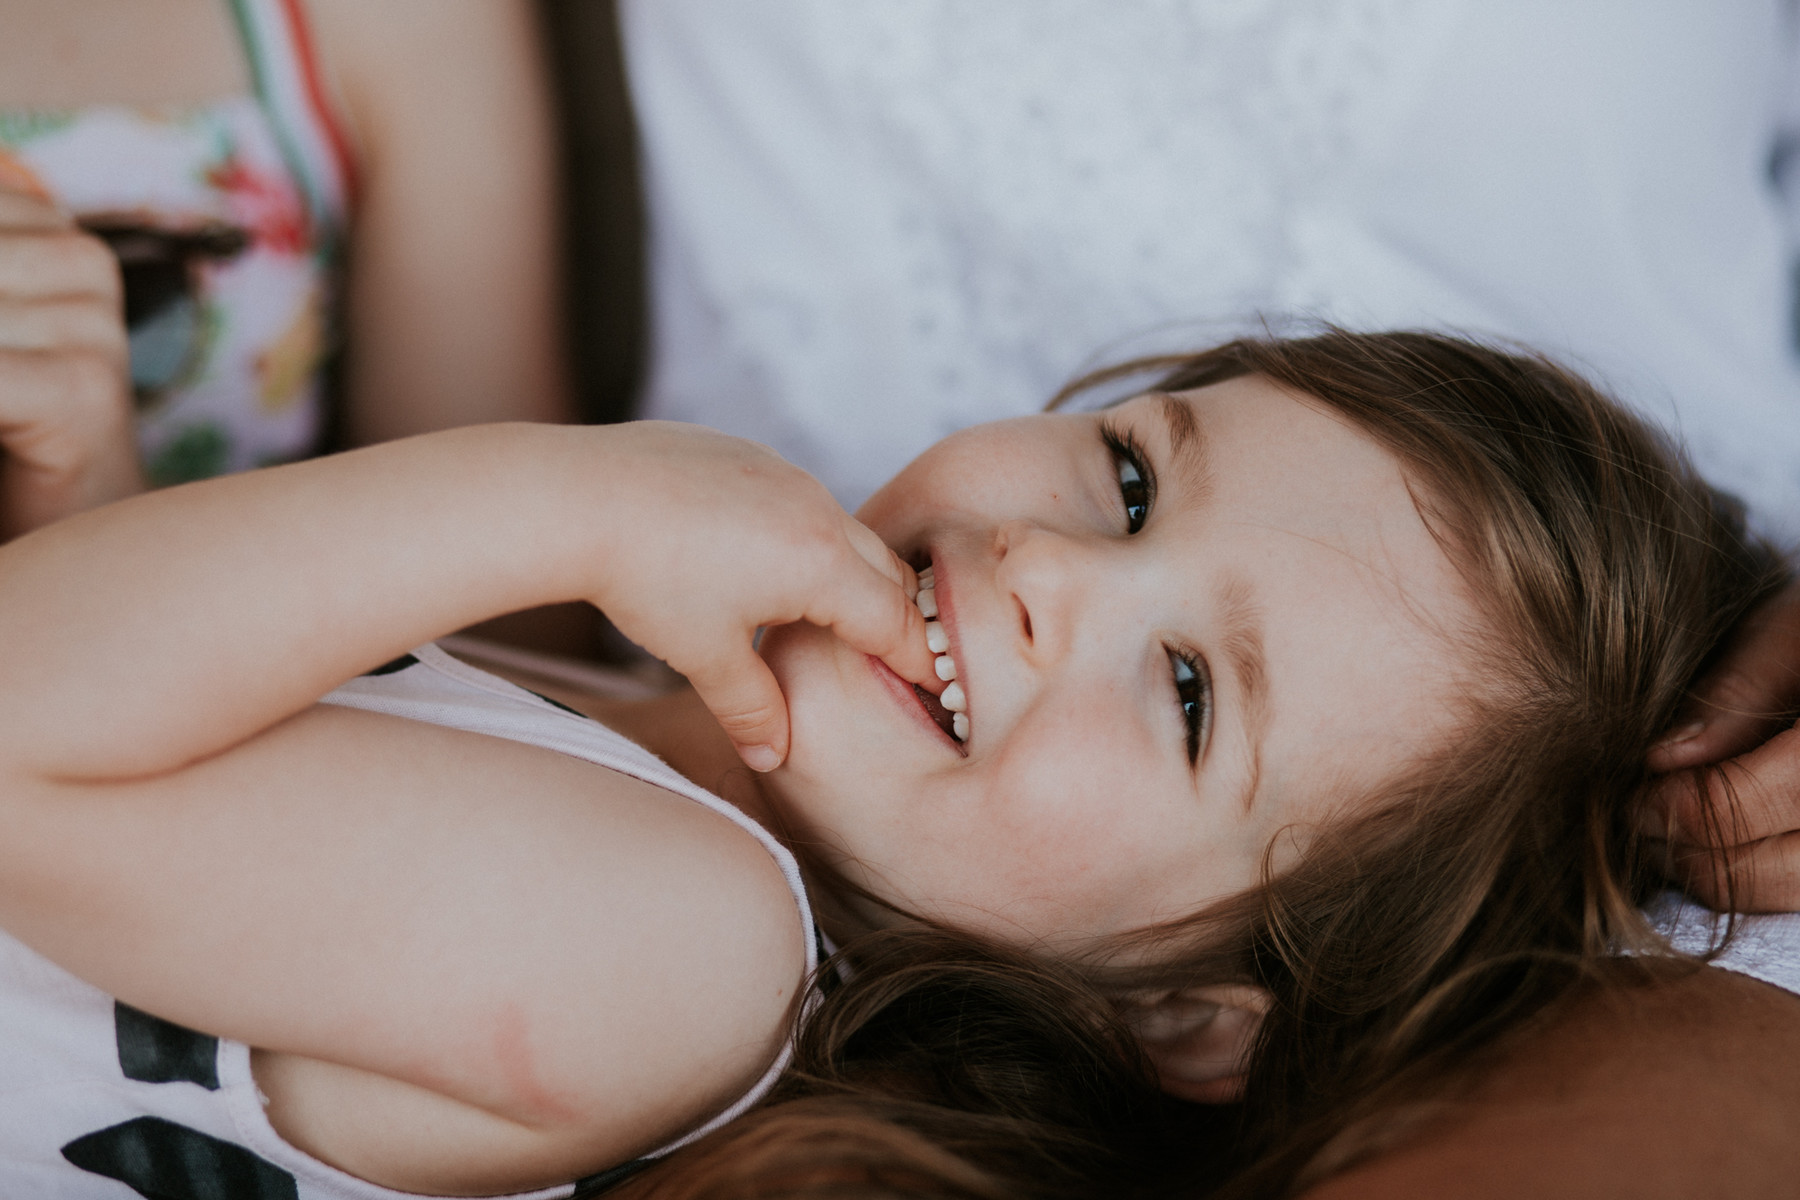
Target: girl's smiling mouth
948, 712
924, 707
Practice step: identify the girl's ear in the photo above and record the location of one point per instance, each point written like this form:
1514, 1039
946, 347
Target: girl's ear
1199, 1039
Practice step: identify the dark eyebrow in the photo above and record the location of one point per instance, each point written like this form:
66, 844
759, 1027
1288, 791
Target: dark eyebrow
1242, 643
1187, 445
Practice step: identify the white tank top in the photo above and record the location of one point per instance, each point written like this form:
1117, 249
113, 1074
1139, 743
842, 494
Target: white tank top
94, 1090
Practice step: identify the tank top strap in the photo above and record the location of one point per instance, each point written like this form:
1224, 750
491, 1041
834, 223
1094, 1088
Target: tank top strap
285, 68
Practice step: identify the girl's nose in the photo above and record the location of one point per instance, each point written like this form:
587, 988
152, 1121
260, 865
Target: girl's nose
1046, 575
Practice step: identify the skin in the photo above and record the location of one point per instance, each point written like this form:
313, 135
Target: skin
451, 314
403, 964
452, 294
1738, 732
1060, 622
66, 440
1655, 1092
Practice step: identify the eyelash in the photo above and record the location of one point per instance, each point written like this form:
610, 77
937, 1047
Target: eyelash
1124, 447
1194, 692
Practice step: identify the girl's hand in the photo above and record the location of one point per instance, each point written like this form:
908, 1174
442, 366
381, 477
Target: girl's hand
1739, 735
721, 536
65, 377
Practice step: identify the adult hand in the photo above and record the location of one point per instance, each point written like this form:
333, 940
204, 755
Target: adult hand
1738, 739
65, 379
717, 536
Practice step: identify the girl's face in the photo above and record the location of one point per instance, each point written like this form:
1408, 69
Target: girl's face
1181, 626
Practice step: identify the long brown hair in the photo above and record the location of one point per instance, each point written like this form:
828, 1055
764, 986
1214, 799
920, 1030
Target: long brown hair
1464, 898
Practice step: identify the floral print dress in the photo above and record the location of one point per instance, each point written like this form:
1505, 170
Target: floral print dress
225, 218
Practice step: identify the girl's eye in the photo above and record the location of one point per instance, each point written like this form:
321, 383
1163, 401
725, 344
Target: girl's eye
1137, 484
1135, 494
1193, 692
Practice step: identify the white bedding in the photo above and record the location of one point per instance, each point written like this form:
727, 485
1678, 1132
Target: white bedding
876, 222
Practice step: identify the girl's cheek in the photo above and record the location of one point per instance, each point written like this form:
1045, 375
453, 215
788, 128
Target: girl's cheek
1053, 799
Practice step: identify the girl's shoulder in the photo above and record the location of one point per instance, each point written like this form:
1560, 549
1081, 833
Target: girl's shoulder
574, 708
685, 1039
698, 931
713, 848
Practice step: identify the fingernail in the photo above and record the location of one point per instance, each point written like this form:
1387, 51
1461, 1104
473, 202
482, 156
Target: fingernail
760, 758
1686, 733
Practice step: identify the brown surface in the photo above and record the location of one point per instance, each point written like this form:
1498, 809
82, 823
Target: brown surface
1690, 1088
604, 210
603, 263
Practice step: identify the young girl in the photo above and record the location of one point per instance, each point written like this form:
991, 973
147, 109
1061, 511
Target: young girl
1295, 706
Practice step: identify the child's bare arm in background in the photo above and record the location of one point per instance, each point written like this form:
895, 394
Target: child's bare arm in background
452, 297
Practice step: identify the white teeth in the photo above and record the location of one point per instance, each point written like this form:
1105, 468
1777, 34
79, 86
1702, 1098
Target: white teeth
938, 641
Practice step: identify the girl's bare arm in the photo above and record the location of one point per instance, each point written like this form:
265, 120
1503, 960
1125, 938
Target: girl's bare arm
468, 955
174, 627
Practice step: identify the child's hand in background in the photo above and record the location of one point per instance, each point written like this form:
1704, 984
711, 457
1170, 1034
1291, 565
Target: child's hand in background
1739, 734
720, 536
65, 377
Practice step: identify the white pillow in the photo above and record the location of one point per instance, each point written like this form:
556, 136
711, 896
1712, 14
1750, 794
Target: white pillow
874, 223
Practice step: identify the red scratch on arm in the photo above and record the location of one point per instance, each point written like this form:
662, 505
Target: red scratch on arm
518, 1068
